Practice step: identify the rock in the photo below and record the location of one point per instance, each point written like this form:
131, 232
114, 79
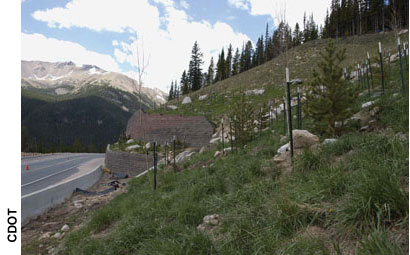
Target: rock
132, 147
374, 111
202, 149
65, 228
215, 135
214, 140
364, 128
147, 146
283, 149
78, 204
172, 107
365, 105
57, 235
256, 92
201, 228
51, 251
211, 219
45, 235
280, 157
304, 139
228, 149
283, 139
329, 140
395, 94
130, 141
296, 81
187, 100
183, 155
217, 153
338, 124
362, 117
401, 136
203, 97
403, 31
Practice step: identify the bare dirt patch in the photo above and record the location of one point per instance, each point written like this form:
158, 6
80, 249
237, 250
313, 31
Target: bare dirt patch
38, 236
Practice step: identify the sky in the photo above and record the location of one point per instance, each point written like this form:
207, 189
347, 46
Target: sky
111, 34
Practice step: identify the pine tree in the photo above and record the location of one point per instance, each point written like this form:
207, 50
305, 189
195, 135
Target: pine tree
195, 70
330, 96
210, 75
185, 88
228, 62
297, 35
220, 67
171, 92
235, 64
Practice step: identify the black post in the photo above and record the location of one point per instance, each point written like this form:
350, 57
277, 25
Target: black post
155, 165
166, 153
401, 66
370, 69
367, 77
299, 112
405, 46
381, 65
223, 137
230, 134
284, 116
174, 145
236, 137
260, 121
289, 113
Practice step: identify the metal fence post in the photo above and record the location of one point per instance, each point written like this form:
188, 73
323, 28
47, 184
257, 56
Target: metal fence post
223, 137
284, 115
299, 112
381, 65
367, 77
174, 145
370, 69
401, 66
155, 165
289, 112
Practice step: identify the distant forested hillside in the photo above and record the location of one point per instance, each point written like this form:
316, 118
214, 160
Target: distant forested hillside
84, 124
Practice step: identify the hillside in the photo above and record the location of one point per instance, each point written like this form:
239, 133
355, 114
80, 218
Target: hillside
63, 103
345, 197
301, 60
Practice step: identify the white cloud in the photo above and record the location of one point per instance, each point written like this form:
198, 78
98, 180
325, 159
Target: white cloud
184, 4
241, 4
39, 47
289, 10
114, 43
168, 47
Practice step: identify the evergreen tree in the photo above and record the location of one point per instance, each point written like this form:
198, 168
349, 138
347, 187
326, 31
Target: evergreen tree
330, 96
228, 62
297, 35
195, 70
267, 44
171, 92
185, 88
210, 74
220, 67
259, 52
235, 64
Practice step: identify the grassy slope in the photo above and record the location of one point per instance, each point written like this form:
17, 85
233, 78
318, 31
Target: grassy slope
350, 196
271, 75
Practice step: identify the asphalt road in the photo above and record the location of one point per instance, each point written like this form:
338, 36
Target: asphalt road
51, 169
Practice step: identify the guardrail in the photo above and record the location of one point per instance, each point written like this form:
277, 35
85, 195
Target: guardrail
37, 202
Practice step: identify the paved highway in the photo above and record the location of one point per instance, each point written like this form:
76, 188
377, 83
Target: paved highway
50, 169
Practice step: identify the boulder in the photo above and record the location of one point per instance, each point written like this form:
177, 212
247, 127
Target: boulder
130, 141
45, 235
329, 140
57, 235
203, 97
183, 155
147, 146
187, 100
215, 140
338, 124
217, 153
202, 149
172, 107
132, 147
65, 228
256, 92
283, 149
228, 149
211, 219
304, 139
365, 105
78, 204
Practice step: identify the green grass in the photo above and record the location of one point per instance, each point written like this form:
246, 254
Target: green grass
354, 189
